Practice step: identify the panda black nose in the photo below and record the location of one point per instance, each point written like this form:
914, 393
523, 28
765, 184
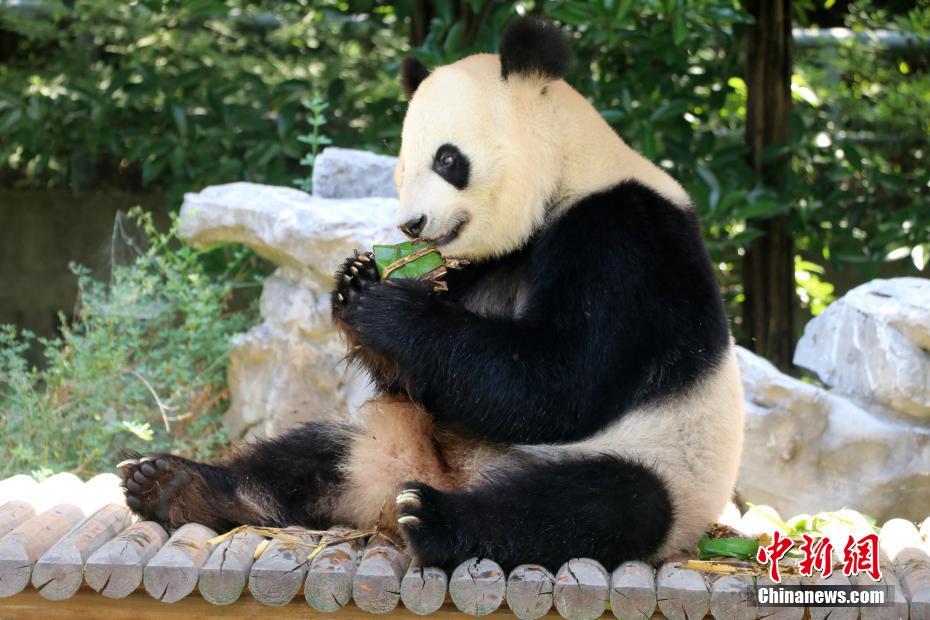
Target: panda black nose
413, 227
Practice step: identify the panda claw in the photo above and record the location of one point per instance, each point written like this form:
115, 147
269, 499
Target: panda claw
354, 270
347, 278
409, 520
127, 463
362, 257
409, 496
342, 298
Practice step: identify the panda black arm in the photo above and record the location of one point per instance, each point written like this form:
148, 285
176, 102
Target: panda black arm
623, 307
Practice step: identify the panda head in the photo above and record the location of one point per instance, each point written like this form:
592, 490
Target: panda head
494, 145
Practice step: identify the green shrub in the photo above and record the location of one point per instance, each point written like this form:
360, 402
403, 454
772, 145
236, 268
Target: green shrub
141, 367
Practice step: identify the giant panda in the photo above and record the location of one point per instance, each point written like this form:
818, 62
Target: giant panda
574, 393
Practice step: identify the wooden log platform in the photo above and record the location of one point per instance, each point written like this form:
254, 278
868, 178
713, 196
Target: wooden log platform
71, 549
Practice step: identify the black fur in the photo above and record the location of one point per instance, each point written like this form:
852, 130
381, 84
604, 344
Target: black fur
412, 72
619, 306
598, 507
534, 47
288, 480
452, 165
622, 307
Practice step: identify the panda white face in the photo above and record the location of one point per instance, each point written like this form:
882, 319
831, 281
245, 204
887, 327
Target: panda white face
467, 178
493, 146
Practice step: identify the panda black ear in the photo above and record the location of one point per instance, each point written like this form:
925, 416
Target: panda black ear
534, 47
412, 72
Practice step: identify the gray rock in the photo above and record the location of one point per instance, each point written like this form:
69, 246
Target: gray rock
874, 345
289, 368
348, 173
807, 450
287, 226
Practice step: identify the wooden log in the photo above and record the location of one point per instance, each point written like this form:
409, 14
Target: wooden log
172, 574
901, 540
224, 575
477, 587
833, 613
582, 589
423, 589
101, 490
898, 608
19, 487
897, 535
13, 514
60, 571
277, 575
376, 586
63, 488
780, 613
115, 569
681, 593
328, 586
732, 598
21, 548
633, 590
529, 591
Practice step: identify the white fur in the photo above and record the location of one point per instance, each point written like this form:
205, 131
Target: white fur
693, 442
535, 149
531, 152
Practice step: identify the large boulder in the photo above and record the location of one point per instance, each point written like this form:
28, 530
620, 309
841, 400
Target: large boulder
289, 368
807, 450
874, 345
348, 173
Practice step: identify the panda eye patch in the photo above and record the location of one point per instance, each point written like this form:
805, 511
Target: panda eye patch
452, 165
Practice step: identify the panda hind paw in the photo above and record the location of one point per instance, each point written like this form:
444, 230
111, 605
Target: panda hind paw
426, 522
152, 483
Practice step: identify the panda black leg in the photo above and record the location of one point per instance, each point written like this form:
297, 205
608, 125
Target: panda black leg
283, 481
173, 491
600, 507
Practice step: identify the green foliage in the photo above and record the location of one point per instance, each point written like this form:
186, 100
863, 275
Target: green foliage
861, 147
180, 95
314, 140
820, 523
142, 366
186, 94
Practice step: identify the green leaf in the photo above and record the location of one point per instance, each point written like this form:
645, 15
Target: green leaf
671, 109
454, 38
733, 547
180, 118
713, 185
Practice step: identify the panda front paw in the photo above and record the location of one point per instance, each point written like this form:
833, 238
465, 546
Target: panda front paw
427, 522
356, 274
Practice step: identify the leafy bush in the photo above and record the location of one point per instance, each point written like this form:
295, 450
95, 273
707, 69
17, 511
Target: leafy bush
178, 95
141, 367
185, 94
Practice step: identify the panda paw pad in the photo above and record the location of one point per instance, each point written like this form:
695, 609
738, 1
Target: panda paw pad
151, 483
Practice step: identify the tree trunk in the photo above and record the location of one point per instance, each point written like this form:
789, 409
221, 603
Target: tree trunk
768, 266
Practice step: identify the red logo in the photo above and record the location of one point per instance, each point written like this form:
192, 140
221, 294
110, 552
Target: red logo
862, 556
859, 556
